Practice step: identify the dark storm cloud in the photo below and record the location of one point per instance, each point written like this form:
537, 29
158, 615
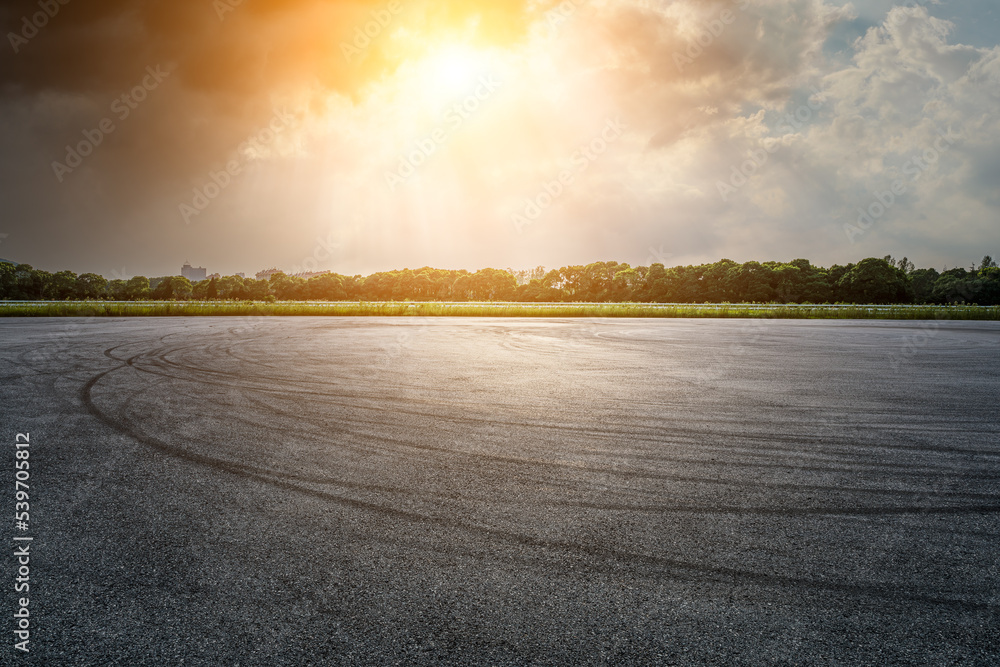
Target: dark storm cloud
72, 69
696, 106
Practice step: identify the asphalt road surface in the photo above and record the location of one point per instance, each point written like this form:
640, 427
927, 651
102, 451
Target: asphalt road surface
227, 491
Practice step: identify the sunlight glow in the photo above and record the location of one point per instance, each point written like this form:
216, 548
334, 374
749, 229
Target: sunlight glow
448, 72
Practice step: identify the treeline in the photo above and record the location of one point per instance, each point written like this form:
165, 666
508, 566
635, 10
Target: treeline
872, 280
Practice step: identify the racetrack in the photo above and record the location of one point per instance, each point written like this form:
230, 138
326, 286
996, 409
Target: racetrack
509, 491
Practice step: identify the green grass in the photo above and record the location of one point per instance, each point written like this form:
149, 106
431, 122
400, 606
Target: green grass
436, 309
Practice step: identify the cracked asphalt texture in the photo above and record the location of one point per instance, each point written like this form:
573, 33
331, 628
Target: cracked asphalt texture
363, 491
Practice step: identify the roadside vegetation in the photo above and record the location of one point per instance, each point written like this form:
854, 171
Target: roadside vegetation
485, 309
606, 289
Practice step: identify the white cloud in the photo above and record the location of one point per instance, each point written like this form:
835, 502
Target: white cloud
840, 132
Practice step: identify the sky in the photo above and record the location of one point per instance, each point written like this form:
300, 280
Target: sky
357, 137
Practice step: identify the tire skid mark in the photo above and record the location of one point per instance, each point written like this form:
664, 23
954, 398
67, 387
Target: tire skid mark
786, 512
650, 437
624, 474
666, 565
163, 352
227, 466
903, 470
473, 457
325, 481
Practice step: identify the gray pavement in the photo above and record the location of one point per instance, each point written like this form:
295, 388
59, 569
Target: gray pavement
230, 491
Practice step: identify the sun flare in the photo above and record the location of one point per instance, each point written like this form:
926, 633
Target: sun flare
448, 72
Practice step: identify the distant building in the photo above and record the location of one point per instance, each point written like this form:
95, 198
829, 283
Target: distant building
194, 274
311, 274
215, 276
266, 274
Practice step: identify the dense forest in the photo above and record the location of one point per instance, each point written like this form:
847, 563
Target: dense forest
871, 280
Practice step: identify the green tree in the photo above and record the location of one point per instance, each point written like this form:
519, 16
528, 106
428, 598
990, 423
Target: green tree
750, 283
923, 281
199, 290
288, 288
875, 280
90, 286
173, 288
228, 286
655, 287
327, 287
626, 285
257, 290
492, 285
137, 288
905, 265
28, 283
61, 286
989, 290
8, 280
955, 286
116, 290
